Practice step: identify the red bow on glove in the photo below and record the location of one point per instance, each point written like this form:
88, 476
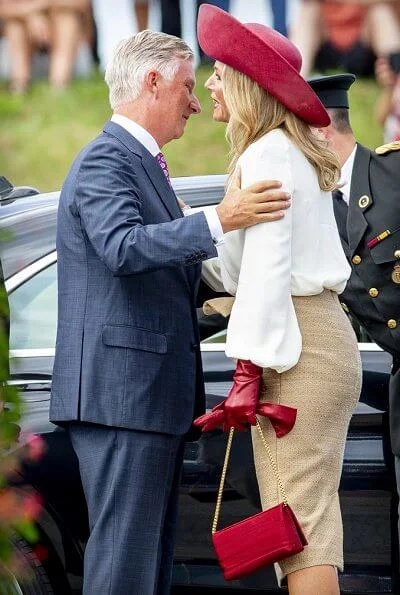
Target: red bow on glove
241, 405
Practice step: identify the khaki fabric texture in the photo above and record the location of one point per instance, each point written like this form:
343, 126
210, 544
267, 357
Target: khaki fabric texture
324, 387
221, 305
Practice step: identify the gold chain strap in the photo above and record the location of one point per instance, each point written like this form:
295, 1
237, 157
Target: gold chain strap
273, 465
222, 482
225, 468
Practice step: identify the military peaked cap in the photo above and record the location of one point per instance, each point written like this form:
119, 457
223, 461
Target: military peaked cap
332, 90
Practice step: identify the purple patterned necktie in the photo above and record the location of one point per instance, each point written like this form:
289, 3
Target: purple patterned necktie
163, 164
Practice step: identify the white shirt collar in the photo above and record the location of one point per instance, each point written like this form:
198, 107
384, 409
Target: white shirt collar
140, 133
345, 175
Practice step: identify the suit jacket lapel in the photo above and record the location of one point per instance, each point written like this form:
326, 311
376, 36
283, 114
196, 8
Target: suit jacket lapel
153, 170
356, 223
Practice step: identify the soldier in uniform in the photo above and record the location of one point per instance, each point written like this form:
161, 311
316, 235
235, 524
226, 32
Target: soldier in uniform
367, 211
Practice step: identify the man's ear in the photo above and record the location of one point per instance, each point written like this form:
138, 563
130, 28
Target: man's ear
152, 81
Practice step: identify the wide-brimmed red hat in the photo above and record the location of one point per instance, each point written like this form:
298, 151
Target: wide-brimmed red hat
265, 56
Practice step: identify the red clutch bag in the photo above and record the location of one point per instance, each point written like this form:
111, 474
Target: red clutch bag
261, 539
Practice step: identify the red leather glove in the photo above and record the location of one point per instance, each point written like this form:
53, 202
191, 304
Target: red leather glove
281, 417
241, 403
240, 406
213, 420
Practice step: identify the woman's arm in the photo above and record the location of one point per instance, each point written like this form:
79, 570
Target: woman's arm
263, 326
211, 274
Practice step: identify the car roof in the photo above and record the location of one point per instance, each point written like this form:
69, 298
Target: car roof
28, 224
27, 230
23, 204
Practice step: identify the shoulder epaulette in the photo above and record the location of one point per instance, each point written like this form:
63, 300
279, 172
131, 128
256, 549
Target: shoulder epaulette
383, 149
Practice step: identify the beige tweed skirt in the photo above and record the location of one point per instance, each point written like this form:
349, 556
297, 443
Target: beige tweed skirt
324, 387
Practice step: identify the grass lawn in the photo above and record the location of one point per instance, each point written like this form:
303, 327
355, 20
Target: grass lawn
42, 132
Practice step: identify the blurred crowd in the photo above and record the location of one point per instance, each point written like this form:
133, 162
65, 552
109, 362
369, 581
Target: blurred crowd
61, 39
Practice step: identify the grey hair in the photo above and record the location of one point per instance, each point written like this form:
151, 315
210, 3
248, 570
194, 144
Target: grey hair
134, 57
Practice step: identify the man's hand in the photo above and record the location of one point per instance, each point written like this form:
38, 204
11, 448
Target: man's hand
261, 202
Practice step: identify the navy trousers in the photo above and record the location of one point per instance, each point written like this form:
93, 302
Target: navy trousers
131, 483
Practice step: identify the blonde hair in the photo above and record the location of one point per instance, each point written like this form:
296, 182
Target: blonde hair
134, 57
254, 112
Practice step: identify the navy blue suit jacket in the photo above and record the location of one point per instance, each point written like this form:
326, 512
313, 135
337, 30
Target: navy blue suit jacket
127, 350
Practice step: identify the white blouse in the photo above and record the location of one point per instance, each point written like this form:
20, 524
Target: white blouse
264, 265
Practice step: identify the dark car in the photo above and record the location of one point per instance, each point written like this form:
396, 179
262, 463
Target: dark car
29, 261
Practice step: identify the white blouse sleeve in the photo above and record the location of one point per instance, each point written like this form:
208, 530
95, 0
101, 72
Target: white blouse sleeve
263, 326
211, 274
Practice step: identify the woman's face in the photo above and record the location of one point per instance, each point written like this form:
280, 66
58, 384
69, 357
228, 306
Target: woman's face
214, 85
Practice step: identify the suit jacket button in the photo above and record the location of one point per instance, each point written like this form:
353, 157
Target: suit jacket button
194, 346
397, 253
356, 259
345, 307
392, 323
373, 292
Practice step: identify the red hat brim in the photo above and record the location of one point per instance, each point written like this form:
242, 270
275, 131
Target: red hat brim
224, 38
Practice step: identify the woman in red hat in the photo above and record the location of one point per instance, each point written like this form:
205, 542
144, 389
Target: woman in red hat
293, 342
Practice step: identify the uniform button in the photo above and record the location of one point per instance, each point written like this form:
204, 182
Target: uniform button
345, 307
392, 323
356, 259
364, 201
373, 292
397, 253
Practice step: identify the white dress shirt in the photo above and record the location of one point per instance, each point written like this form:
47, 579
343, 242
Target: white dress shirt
150, 143
345, 175
264, 265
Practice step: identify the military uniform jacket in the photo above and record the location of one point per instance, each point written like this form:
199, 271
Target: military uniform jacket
372, 296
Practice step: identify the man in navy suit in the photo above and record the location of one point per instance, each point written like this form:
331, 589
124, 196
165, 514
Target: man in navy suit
127, 376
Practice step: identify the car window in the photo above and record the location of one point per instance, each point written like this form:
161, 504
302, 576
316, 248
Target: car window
33, 311
361, 333
219, 337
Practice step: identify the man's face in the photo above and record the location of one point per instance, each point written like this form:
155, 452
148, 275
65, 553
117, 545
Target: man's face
177, 101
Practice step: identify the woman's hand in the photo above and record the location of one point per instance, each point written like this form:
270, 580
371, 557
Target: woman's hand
241, 403
281, 417
240, 407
